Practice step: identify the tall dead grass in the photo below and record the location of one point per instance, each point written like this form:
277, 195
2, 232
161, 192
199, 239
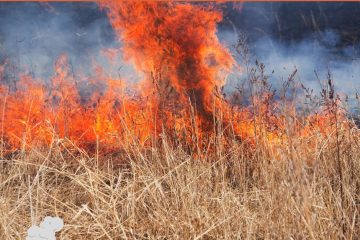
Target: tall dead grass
306, 187
166, 193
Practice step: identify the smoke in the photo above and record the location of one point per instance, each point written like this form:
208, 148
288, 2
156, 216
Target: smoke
310, 57
303, 37
284, 36
33, 35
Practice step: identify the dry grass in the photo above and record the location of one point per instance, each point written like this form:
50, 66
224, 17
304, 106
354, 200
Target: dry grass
306, 187
164, 193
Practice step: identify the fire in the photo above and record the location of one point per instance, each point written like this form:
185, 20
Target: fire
175, 47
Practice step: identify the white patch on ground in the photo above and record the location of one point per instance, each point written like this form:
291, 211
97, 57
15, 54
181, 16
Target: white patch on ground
46, 230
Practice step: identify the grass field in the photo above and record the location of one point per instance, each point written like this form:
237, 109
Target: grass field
166, 192
177, 157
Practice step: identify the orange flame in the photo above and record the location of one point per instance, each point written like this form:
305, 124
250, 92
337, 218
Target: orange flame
175, 47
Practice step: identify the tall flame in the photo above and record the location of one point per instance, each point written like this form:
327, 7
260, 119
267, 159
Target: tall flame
175, 47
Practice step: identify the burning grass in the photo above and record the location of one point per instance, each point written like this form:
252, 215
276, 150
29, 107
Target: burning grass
165, 192
174, 156
184, 67
293, 175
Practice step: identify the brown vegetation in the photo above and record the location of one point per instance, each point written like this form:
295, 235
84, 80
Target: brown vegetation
305, 187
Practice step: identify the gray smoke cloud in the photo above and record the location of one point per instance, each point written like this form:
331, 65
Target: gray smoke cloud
284, 36
309, 37
34, 35
307, 57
